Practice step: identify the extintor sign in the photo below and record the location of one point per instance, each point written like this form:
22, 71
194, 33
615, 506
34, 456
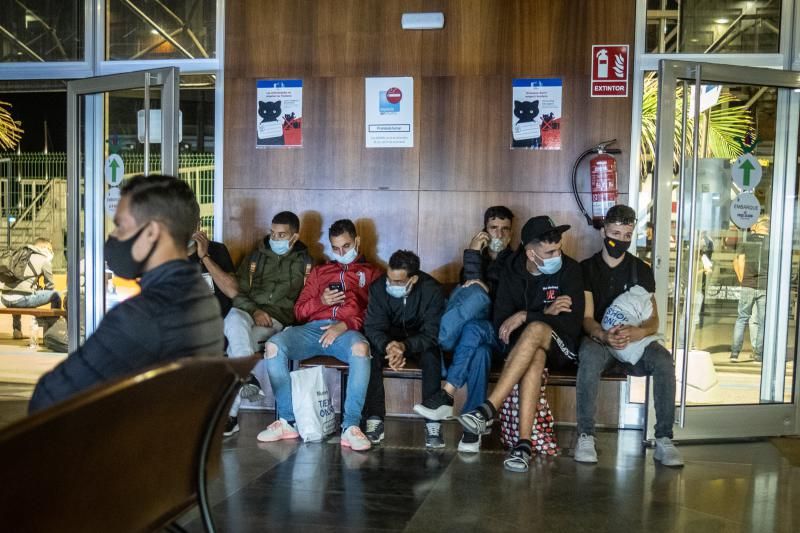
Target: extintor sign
610, 66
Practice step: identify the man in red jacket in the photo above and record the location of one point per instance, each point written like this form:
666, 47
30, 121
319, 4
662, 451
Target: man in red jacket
332, 304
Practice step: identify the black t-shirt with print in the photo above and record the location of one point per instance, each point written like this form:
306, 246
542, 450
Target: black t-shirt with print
218, 253
606, 283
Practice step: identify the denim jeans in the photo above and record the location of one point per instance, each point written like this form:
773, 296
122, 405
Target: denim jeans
594, 359
472, 361
752, 308
302, 342
246, 338
30, 301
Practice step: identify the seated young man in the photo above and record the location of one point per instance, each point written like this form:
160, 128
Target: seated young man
174, 315
472, 354
332, 306
269, 281
405, 307
538, 310
606, 275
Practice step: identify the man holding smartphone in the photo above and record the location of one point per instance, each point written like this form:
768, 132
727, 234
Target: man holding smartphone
331, 308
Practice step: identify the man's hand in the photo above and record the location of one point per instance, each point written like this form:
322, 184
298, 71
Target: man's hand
330, 297
396, 348
512, 323
201, 241
479, 241
262, 318
632, 333
562, 304
476, 282
331, 332
395, 361
615, 338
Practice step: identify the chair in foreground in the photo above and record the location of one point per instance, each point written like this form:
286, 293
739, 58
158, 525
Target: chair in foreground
130, 455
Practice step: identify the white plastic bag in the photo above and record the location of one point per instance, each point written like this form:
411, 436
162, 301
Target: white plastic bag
313, 408
632, 307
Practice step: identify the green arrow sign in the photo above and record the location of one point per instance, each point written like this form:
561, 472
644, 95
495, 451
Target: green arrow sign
746, 168
114, 166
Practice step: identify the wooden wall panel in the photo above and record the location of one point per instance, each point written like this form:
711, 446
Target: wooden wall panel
333, 155
466, 135
380, 218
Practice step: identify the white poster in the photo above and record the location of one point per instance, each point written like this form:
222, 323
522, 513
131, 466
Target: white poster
536, 114
389, 112
279, 113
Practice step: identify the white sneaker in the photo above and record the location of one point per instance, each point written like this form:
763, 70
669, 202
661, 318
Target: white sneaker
355, 439
666, 453
278, 430
470, 447
584, 451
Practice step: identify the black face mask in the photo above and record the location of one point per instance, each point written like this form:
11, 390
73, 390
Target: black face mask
615, 247
119, 256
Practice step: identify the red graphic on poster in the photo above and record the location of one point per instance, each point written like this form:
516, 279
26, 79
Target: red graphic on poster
393, 95
610, 67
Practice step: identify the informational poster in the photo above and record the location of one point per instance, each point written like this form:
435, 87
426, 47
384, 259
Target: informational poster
279, 113
610, 68
389, 112
112, 200
745, 210
536, 114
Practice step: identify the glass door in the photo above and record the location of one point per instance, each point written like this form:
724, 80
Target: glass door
118, 126
727, 246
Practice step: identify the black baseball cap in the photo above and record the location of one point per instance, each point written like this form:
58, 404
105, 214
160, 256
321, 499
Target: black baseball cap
537, 226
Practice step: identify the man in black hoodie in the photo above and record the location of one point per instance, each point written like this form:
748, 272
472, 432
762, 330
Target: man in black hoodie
538, 310
402, 321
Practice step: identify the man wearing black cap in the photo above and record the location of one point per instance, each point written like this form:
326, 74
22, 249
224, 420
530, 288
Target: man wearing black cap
538, 310
606, 275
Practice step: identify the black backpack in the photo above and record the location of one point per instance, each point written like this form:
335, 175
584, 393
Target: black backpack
13, 263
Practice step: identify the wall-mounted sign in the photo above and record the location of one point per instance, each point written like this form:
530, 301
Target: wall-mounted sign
389, 112
279, 113
746, 172
609, 70
114, 169
112, 201
536, 113
745, 210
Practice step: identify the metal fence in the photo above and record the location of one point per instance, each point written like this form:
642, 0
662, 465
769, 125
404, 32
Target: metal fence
26, 179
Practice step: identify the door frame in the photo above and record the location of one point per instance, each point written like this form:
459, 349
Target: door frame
711, 422
93, 147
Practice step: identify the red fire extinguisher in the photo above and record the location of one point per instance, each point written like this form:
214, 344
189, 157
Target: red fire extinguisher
603, 178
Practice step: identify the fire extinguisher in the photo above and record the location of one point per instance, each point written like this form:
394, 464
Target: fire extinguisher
603, 178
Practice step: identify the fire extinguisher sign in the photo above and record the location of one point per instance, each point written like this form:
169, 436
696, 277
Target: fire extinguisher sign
609, 70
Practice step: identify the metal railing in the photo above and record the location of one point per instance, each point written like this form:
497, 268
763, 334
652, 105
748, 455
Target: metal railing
33, 190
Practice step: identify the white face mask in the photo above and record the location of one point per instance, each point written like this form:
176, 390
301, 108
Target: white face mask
347, 258
551, 265
497, 245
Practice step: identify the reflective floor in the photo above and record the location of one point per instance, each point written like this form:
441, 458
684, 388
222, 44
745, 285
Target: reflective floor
751, 486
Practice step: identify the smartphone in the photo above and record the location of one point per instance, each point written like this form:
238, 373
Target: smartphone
335, 286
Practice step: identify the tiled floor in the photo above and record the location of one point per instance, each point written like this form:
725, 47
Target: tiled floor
751, 486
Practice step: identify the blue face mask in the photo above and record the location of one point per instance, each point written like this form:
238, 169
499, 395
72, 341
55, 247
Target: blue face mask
279, 247
347, 258
551, 265
397, 291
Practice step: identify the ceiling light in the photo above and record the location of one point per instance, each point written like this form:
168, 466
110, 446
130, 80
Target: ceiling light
154, 32
422, 21
722, 20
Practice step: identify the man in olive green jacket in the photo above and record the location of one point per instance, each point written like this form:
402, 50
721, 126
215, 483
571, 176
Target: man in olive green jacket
270, 279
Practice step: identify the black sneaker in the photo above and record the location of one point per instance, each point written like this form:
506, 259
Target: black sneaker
231, 426
433, 435
438, 407
374, 431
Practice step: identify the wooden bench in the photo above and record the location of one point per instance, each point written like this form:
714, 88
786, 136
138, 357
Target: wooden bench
129, 455
37, 312
413, 371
